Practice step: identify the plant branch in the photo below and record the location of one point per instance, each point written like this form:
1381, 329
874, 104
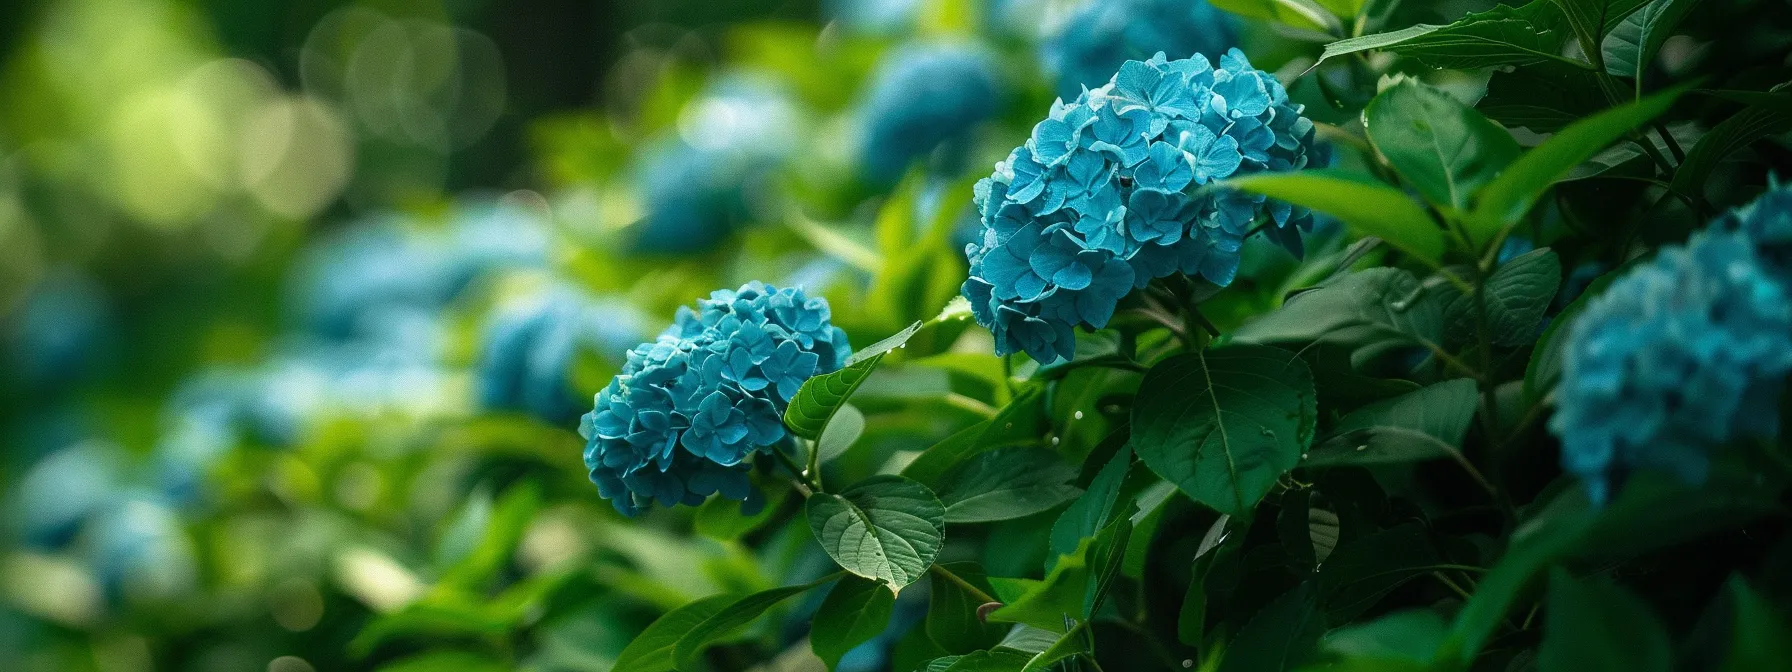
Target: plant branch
800, 478
964, 585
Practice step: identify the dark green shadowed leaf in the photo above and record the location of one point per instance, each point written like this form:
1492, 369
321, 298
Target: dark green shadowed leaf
1544, 97
1022, 421
1366, 310
1362, 572
1280, 637
1518, 293
1224, 539
1427, 424
1500, 36
822, 396
994, 660
1512, 194
1631, 45
1760, 637
731, 617
855, 610
1741, 130
952, 620
1309, 533
1369, 208
1224, 424
652, 649
1006, 483
1397, 642
886, 528
1446, 150
1073, 643
1545, 367
1597, 627
1075, 586
1093, 510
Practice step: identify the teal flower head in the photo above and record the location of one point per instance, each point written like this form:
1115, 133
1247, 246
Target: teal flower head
690, 409
1681, 355
1101, 199
921, 99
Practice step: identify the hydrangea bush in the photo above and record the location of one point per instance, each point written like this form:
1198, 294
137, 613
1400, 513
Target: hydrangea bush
691, 407
1683, 354
1100, 35
1106, 196
532, 345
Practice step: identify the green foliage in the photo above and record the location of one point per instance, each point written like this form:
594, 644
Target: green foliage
1442, 148
855, 610
885, 528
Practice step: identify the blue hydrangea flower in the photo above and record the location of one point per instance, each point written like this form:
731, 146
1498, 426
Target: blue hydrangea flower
1102, 34
1102, 199
1681, 354
922, 98
531, 347
138, 549
59, 333
63, 489
690, 408
695, 184
1767, 221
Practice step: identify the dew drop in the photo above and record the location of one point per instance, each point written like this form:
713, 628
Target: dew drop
1054, 440
1362, 447
1078, 415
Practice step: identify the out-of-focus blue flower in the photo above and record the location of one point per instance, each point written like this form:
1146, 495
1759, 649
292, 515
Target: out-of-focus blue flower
190, 445
695, 185
1102, 34
923, 97
138, 548
531, 346
690, 408
1767, 221
56, 335
344, 285
63, 489
1097, 202
1680, 355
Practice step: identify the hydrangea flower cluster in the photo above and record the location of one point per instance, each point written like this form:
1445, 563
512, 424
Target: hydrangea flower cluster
1094, 205
690, 408
1102, 34
531, 346
921, 98
694, 184
1683, 353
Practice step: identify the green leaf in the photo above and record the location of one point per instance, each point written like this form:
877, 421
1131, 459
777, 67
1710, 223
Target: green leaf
1366, 310
1076, 585
1297, 13
1073, 643
1362, 572
1511, 195
1398, 641
886, 528
1590, 19
1535, 545
1426, 424
847, 425
1518, 293
952, 620
1225, 424
1631, 45
822, 396
1590, 627
502, 530
1022, 421
1309, 533
1221, 543
731, 617
1444, 149
1280, 637
1500, 36
1543, 97
1760, 638
1006, 483
652, 650
1739, 131
854, 611
1091, 511
1369, 208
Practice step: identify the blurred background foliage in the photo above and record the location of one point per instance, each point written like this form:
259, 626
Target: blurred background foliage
281, 280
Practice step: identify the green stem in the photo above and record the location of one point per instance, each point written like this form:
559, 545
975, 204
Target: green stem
965, 403
964, 585
801, 479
